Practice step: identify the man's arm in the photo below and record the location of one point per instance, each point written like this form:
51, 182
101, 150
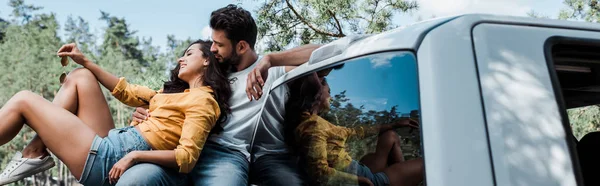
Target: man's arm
293, 57
289, 58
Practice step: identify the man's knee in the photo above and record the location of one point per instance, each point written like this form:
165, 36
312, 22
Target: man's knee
277, 170
219, 172
150, 174
219, 165
290, 178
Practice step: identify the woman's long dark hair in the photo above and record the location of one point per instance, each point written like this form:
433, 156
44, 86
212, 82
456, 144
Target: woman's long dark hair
305, 96
214, 76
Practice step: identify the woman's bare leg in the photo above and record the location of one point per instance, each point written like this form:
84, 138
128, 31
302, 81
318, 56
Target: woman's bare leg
60, 130
81, 95
408, 173
387, 152
388, 158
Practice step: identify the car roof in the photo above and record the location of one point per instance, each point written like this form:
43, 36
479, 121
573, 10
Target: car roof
409, 37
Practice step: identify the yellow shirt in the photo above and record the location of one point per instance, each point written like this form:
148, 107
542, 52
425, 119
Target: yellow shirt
178, 121
324, 145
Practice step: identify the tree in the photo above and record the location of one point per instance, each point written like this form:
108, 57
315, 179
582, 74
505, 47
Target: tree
118, 35
586, 10
34, 66
535, 14
3, 25
585, 119
78, 31
31, 66
22, 11
282, 23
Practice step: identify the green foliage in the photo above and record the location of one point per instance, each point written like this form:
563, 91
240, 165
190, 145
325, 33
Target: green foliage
22, 11
584, 120
28, 45
78, 31
28, 48
535, 14
586, 10
29, 41
282, 23
118, 36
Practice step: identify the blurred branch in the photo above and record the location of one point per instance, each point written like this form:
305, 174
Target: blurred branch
310, 25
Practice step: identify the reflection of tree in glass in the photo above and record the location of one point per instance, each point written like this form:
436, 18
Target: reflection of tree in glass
344, 113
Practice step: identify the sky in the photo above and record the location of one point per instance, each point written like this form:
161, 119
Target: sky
151, 18
189, 18
391, 81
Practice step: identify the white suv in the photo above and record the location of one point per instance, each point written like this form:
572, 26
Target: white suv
487, 90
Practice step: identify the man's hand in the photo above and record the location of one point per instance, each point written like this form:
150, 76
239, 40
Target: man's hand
257, 77
121, 166
140, 114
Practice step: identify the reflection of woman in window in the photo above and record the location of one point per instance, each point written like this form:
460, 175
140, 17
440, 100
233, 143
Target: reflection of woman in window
191, 103
322, 144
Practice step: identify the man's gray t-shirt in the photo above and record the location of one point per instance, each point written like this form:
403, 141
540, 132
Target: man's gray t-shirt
247, 116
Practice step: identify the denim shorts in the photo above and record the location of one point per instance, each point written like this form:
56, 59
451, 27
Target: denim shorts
378, 179
105, 152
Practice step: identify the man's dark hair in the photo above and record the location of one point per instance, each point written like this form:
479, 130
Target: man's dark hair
237, 24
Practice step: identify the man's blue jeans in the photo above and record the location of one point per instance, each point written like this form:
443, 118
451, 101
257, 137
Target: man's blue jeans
151, 174
219, 165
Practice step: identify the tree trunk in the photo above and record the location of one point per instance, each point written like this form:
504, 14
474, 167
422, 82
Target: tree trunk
33, 180
119, 115
60, 174
66, 177
48, 178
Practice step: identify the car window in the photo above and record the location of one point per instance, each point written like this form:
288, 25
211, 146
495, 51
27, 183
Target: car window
574, 74
333, 115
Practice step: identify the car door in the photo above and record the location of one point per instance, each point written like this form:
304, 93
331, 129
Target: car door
530, 136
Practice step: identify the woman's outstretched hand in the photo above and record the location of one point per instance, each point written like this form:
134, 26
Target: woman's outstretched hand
406, 123
71, 50
120, 167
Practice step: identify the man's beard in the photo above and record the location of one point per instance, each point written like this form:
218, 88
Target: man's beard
233, 61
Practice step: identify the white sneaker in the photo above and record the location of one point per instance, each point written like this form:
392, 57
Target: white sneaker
19, 168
